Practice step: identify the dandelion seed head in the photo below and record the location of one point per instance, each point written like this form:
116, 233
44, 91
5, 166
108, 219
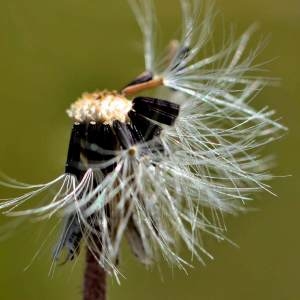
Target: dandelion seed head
162, 172
104, 107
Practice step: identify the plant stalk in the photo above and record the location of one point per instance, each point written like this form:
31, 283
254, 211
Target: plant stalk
94, 279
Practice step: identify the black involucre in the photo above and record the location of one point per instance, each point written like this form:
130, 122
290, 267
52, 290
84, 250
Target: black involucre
94, 143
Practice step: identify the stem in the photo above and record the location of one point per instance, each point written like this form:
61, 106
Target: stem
94, 279
134, 89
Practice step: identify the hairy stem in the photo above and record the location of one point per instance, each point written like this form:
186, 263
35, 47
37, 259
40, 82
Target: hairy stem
94, 279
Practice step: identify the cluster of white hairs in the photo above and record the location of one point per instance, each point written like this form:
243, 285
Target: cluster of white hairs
210, 163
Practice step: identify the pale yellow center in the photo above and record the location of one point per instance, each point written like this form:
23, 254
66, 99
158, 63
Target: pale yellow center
104, 107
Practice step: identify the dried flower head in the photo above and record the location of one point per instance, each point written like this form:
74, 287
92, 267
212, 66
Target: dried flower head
160, 171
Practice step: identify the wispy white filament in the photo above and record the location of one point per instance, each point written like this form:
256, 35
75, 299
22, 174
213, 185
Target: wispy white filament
144, 13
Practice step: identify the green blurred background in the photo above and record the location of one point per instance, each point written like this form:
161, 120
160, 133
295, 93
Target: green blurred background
52, 51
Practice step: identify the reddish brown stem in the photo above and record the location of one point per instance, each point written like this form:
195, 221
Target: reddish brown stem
134, 89
94, 279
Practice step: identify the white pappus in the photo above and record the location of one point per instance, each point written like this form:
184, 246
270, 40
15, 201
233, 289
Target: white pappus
162, 172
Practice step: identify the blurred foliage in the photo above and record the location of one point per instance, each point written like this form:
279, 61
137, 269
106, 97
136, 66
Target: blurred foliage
52, 51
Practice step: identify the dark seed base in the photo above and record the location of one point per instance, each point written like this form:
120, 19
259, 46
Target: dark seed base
95, 143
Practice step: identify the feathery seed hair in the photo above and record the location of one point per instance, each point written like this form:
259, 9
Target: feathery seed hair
156, 170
